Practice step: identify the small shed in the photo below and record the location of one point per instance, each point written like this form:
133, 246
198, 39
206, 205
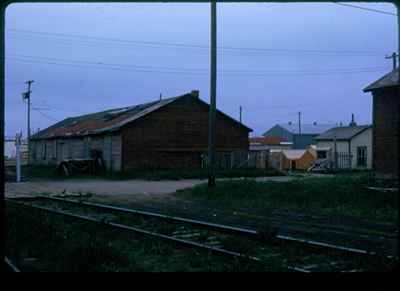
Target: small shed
292, 159
386, 125
297, 159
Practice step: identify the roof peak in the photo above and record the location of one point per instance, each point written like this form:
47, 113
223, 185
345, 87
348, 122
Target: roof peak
391, 79
112, 119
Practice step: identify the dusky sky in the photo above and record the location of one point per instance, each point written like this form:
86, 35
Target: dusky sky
274, 60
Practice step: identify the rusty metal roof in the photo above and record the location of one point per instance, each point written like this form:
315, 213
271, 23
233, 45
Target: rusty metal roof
109, 120
389, 80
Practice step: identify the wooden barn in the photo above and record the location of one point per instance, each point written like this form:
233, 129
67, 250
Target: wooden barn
386, 125
167, 133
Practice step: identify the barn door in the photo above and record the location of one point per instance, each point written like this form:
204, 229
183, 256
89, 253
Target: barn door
62, 151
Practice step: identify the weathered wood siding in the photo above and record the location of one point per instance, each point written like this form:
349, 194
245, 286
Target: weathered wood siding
53, 151
112, 152
176, 135
386, 111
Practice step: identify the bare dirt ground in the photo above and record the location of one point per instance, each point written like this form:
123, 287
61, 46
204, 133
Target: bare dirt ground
97, 187
137, 188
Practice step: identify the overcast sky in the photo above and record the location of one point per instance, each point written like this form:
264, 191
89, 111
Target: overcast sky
275, 59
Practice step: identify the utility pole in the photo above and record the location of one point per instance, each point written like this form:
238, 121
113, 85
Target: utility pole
335, 157
27, 96
18, 156
393, 56
213, 93
299, 122
240, 114
398, 128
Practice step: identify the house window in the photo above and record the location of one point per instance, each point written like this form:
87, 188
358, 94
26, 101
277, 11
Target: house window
361, 156
321, 154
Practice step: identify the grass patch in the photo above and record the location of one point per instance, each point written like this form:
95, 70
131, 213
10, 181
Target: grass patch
343, 195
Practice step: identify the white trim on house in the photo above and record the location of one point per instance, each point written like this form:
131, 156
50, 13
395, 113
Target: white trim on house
348, 149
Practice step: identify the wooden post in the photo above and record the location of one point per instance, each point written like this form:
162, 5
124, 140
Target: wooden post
18, 156
213, 93
398, 130
335, 158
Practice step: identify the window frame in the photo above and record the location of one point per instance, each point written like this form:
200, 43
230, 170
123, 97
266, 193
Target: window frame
362, 156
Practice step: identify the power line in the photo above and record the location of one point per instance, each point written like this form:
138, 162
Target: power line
204, 74
187, 71
45, 115
367, 9
85, 38
205, 53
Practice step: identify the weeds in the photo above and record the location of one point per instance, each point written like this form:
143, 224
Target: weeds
345, 195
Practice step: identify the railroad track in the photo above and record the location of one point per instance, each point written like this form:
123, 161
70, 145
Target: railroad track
314, 221
9, 266
261, 247
379, 238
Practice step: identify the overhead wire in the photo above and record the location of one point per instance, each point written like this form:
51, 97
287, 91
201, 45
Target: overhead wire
44, 114
365, 8
186, 71
85, 38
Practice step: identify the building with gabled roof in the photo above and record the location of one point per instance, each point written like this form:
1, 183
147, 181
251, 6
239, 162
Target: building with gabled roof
168, 133
301, 137
353, 146
386, 125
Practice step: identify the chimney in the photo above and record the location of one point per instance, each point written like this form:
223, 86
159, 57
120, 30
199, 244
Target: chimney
352, 123
314, 123
195, 93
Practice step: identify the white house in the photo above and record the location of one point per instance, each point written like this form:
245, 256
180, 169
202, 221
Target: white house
353, 146
10, 151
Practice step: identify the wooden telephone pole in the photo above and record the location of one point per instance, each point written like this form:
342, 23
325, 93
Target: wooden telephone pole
27, 96
213, 93
299, 122
394, 57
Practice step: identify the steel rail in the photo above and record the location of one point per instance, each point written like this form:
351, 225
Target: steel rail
160, 236
11, 266
143, 232
277, 218
215, 226
220, 227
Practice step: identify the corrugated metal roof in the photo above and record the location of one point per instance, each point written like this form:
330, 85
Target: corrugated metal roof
306, 128
109, 120
389, 80
342, 133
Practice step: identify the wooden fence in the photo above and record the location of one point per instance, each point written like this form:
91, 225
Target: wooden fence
238, 159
